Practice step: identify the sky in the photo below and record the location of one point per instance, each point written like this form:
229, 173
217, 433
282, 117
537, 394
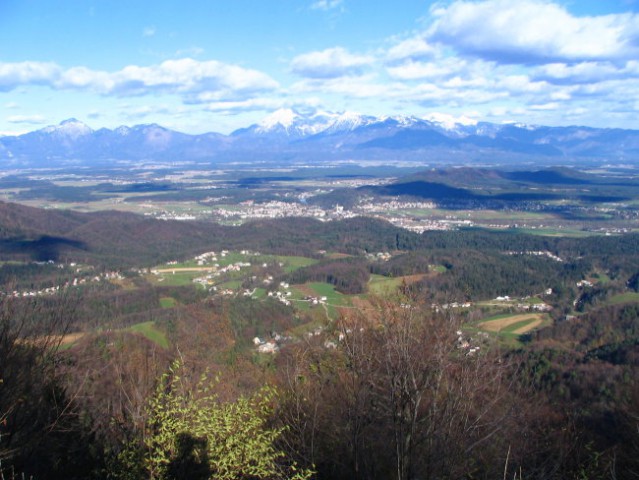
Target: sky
217, 65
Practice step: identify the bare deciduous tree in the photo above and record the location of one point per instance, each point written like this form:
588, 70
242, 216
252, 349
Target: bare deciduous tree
33, 405
401, 399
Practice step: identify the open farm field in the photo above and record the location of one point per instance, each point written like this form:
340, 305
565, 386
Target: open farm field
326, 290
319, 290
290, 263
513, 324
557, 232
185, 269
331, 305
379, 284
175, 278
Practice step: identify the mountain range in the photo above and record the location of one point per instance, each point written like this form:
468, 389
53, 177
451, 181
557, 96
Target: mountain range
289, 137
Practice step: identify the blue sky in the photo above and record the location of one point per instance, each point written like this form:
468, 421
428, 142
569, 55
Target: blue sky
199, 66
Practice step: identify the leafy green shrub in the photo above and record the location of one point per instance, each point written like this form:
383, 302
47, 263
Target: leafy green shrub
189, 433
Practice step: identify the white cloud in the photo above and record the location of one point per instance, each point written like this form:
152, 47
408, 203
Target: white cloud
330, 63
189, 77
143, 111
253, 104
356, 87
325, 4
454, 95
545, 106
28, 119
520, 84
437, 69
263, 104
148, 32
415, 70
507, 114
533, 31
189, 52
82, 78
586, 72
562, 94
195, 81
13, 75
412, 48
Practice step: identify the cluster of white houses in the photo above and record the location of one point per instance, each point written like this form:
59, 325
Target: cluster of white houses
76, 282
540, 253
249, 210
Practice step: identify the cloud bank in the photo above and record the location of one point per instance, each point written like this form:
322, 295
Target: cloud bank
195, 81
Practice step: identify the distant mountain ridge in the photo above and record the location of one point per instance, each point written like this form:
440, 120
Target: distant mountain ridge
288, 136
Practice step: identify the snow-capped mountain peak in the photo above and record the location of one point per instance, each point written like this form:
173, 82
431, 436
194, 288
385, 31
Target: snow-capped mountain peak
71, 127
406, 120
450, 122
123, 130
291, 123
349, 120
282, 118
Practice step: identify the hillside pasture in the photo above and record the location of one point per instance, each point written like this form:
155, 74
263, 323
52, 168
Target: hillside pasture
381, 285
151, 332
334, 299
146, 329
65, 341
623, 298
292, 263
321, 289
